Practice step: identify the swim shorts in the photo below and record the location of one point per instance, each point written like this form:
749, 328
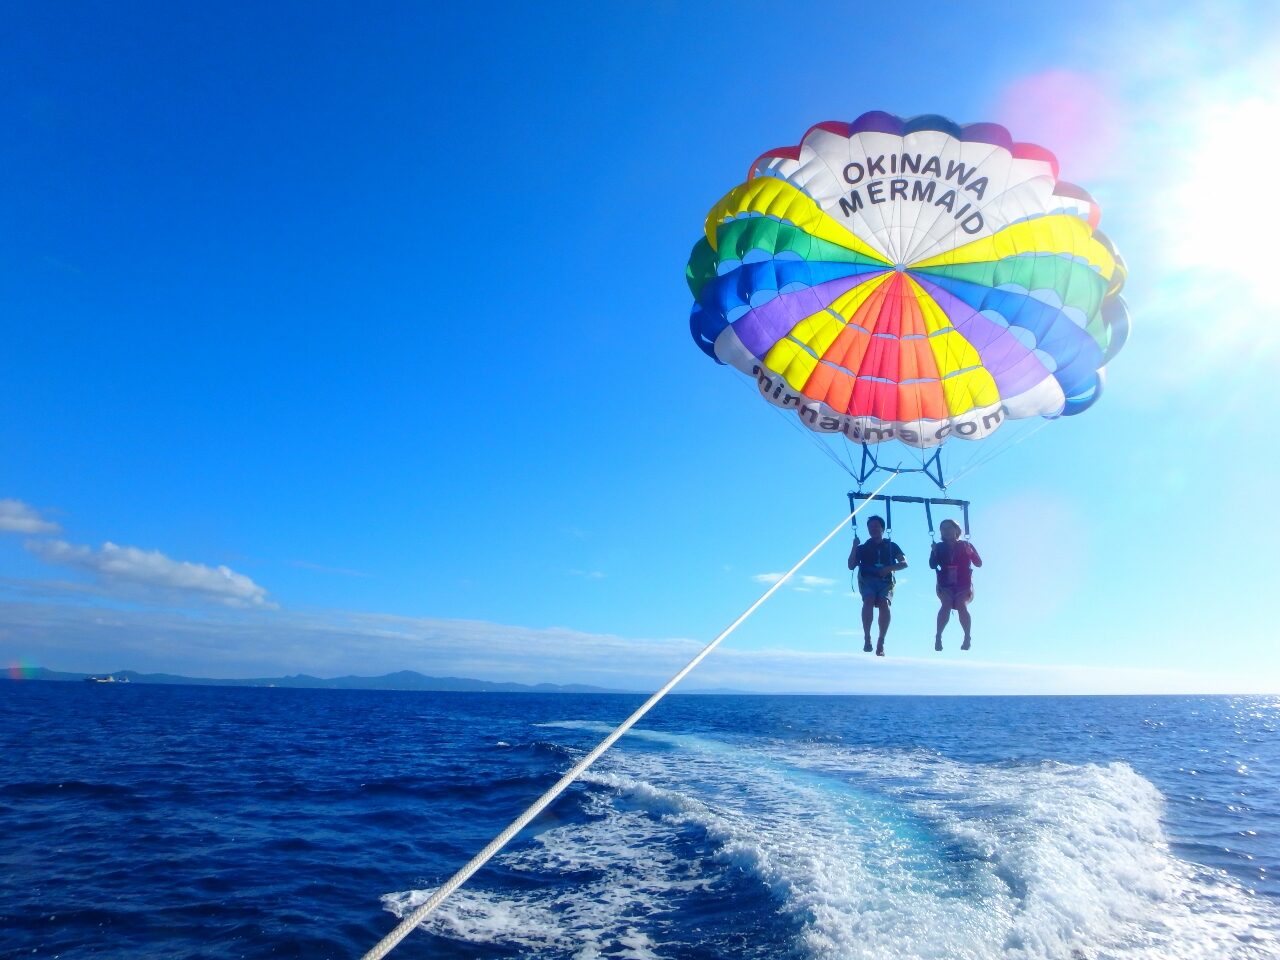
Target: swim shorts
876, 588
951, 594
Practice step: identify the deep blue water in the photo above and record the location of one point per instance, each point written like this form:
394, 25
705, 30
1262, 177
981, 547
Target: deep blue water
144, 821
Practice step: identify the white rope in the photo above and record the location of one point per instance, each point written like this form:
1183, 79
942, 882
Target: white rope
388, 943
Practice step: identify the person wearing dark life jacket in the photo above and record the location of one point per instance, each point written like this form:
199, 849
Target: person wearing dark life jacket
876, 562
954, 559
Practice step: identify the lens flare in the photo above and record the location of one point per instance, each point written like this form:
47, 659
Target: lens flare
1073, 111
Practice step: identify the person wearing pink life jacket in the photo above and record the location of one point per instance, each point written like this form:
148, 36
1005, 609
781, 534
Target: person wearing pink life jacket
954, 560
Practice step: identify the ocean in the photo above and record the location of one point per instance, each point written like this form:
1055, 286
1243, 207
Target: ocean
184, 822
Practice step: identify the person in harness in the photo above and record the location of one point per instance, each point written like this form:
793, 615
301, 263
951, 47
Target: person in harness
954, 559
876, 562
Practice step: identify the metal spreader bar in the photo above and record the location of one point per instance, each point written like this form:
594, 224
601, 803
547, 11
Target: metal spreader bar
856, 497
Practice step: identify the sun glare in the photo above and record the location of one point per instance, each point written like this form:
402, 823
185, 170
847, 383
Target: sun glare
1222, 214
1202, 210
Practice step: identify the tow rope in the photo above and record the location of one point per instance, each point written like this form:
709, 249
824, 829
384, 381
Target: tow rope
389, 942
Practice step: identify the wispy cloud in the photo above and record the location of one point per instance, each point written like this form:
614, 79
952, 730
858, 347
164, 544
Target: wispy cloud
257, 642
132, 567
19, 517
587, 574
809, 581
802, 583
262, 642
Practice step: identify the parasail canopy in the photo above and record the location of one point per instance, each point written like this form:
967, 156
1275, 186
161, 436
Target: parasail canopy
912, 280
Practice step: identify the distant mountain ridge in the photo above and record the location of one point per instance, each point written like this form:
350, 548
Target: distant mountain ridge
400, 680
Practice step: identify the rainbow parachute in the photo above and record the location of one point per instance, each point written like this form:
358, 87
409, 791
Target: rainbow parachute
911, 280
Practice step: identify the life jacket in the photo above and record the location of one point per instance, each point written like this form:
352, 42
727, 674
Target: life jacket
883, 555
954, 563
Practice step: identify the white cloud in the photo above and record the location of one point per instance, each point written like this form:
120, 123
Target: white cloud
256, 642
260, 642
810, 581
803, 583
115, 565
803, 671
19, 517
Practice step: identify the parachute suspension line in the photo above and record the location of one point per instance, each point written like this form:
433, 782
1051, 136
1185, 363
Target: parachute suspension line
983, 459
983, 452
922, 457
797, 425
402, 930
813, 437
848, 450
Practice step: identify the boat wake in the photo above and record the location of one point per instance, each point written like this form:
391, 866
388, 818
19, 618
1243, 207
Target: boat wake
683, 846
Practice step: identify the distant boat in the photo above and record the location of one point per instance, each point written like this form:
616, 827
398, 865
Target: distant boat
107, 679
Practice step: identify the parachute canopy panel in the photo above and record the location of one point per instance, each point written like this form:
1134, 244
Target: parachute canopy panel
910, 280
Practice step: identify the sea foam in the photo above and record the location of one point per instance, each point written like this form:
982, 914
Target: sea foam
862, 854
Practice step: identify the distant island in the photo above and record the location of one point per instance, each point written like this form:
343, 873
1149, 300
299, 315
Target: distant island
401, 680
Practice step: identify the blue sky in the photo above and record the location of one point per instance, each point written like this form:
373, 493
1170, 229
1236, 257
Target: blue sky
353, 338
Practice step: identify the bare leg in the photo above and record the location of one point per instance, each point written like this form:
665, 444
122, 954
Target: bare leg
883, 621
867, 607
944, 616
962, 611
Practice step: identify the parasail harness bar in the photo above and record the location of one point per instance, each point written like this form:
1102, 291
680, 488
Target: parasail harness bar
930, 466
856, 497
